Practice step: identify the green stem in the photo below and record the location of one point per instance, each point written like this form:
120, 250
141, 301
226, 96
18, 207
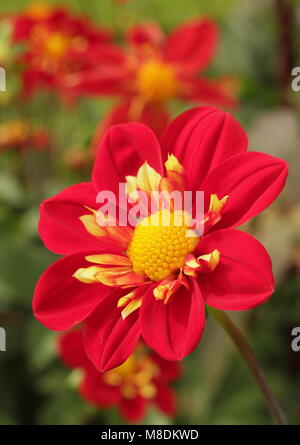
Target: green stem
249, 357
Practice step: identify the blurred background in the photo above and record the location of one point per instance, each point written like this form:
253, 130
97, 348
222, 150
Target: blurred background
46, 139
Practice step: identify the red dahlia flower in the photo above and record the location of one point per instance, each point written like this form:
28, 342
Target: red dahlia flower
57, 44
144, 378
20, 135
153, 69
151, 280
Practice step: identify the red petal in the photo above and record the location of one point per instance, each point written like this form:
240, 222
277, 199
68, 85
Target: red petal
133, 409
243, 279
95, 391
22, 27
32, 79
201, 138
108, 339
154, 116
168, 371
145, 33
70, 349
252, 181
193, 45
106, 79
60, 227
122, 152
165, 400
61, 301
207, 91
173, 330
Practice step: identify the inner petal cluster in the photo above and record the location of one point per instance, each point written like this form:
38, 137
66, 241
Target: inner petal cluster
156, 81
160, 244
135, 376
56, 44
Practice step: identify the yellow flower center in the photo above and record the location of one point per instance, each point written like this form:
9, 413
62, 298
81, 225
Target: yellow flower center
160, 244
56, 44
134, 377
14, 132
117, 375
156, 81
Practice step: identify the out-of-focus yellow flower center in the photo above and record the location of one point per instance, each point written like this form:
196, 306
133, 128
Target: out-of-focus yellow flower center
126, 369
156, 81
13, 132
160, 244
56, 44
134, 377
39, 10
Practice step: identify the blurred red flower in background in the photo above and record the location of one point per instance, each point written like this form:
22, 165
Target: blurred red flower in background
154, 281
57, 43
142, 380
153, 69
20, 135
